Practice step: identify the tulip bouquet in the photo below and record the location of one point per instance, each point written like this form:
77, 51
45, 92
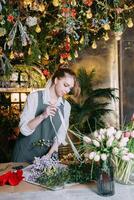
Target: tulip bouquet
108, 144
124, 172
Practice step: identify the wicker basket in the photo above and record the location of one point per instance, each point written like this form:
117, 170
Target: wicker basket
67, 149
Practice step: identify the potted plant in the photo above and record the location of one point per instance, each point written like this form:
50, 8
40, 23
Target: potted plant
88, 110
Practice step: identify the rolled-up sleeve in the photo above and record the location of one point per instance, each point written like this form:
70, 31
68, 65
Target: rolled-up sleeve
28, 113
63, 129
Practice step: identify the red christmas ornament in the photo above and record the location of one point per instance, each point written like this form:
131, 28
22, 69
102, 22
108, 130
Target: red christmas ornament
46, 72
88, 2
10, 18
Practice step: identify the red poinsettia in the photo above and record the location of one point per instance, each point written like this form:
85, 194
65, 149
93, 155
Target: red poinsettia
11, 178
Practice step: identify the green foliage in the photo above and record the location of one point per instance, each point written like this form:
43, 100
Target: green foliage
55, 178
81, 173
92, 104
73, 173
58, 28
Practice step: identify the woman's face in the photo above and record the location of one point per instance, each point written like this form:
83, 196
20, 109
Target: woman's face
64, 85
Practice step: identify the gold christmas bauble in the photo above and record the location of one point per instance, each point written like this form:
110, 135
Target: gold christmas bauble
41, 7
55, 3
76, 54
11, 56
89, 14
94, 45
29, 51
106, 37
106, 27
130, 23
46, 56
73, 2
82, 40
38, 29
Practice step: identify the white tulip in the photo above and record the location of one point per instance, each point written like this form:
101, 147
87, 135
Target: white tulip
99, 138
103, 131
123, 142
110, 131
103, 156
131, 155
96, 143
92, 155
115, 151
86, 139
118, 135
124, 150
95, 134
125, 157
110, 141
97, 158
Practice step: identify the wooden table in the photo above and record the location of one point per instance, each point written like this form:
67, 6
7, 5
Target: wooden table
24, 186
27, 191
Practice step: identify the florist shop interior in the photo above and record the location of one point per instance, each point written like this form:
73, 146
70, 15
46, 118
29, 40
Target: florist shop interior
95, 39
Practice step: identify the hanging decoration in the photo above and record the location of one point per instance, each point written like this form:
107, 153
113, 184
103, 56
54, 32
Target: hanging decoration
55, 31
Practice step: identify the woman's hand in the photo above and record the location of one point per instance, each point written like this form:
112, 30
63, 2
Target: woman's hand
49, 111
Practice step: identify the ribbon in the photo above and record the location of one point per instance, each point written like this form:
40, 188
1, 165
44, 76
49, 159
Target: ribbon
11, 178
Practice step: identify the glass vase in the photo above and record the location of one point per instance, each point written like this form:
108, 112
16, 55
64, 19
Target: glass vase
124, 172
105, 179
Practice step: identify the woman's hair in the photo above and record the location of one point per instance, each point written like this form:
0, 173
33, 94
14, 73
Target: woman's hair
61, 72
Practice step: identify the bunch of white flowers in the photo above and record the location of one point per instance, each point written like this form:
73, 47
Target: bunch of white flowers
106, 143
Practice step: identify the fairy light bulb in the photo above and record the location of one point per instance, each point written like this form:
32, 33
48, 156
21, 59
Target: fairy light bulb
106, 37
38, 29
130, 23
94, 45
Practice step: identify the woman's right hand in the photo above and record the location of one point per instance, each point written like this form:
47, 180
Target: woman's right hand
49, 111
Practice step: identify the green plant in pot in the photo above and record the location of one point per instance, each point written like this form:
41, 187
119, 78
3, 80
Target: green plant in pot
89, 109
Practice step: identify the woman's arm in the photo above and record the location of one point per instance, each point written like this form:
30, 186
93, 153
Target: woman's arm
28, 113
28, 121
49, 111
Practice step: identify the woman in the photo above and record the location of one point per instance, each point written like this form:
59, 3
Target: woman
41, 127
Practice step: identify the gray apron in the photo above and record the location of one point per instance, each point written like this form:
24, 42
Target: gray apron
24, 150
